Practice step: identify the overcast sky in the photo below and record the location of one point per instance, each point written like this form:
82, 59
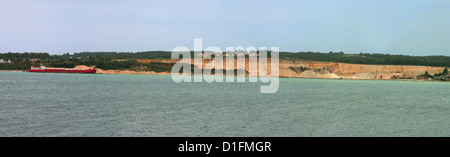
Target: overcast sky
413, 27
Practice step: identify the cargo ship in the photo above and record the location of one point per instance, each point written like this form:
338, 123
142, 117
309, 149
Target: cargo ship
42, 69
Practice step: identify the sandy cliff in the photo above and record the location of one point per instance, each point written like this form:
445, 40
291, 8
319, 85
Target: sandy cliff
352, 71
310, 69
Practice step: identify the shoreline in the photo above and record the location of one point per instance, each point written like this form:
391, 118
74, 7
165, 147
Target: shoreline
129, 72
14, 70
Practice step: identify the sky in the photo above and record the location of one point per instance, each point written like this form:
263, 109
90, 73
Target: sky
410, 27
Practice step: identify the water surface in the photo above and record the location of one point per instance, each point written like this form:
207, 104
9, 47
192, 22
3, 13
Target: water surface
51, 104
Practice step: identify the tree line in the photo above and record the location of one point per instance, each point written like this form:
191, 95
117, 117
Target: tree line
366, 58
107, 60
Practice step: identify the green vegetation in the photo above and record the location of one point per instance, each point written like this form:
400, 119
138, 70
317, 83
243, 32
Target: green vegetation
366, 58
6, 66
441, 76
103, 60
425, 76
108, 60
298, 70
156, 67
25, 55
122, 55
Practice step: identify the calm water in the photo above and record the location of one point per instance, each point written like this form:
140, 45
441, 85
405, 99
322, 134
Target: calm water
33, 104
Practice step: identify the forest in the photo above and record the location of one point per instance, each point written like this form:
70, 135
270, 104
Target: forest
108, 60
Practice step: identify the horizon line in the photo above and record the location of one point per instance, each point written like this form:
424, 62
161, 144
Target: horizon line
72, 53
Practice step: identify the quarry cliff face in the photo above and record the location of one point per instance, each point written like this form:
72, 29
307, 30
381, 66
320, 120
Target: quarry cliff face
316, 69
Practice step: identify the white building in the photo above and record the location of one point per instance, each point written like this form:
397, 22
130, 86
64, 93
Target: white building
3, 61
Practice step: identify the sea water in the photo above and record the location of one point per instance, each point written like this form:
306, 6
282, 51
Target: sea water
52, 104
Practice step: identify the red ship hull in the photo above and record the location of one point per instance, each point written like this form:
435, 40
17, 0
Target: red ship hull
88, 71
